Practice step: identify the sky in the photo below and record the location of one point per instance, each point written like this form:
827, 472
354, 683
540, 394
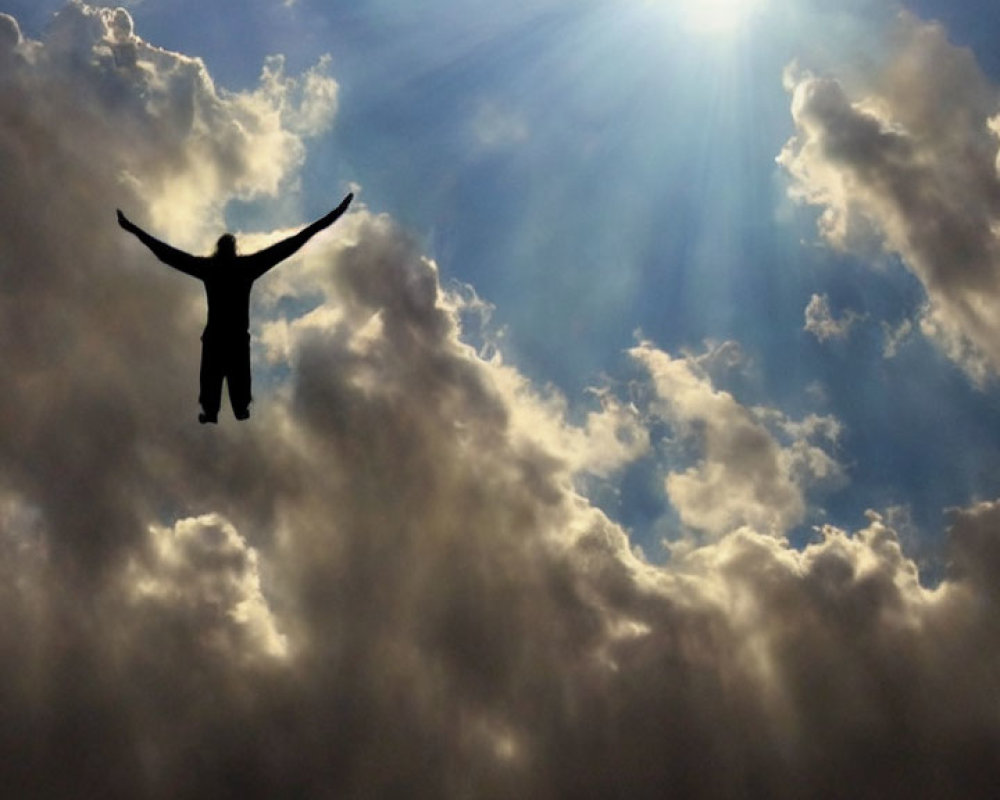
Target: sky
636, 433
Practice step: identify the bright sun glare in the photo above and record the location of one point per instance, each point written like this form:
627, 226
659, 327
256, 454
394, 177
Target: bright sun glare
717, 16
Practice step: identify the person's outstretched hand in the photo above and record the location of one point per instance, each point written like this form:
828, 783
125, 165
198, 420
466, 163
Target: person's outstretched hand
333, 215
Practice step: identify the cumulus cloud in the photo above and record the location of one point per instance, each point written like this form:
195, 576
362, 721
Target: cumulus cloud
744, 474
204, 569
387, 583
908, 160
170, 135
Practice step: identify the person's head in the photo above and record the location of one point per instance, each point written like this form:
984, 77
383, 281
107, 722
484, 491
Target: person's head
226, 246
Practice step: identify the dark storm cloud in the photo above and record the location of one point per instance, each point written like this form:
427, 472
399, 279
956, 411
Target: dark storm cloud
385, 584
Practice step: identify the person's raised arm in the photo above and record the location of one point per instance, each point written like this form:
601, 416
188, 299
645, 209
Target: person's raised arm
263, 260
178, 259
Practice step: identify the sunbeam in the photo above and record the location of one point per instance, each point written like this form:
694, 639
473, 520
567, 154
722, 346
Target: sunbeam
718, 17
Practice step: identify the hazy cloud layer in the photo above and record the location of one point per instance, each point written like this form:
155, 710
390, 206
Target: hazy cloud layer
385, 584
908, 161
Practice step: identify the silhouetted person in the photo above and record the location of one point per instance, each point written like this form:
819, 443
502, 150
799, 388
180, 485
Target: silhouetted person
228, 276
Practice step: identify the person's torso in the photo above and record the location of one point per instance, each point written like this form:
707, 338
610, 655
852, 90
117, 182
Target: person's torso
227, 287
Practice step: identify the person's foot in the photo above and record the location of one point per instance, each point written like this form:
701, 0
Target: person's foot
241, 413
203, 418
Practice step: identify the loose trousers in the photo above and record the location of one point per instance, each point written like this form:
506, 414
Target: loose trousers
225, 357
